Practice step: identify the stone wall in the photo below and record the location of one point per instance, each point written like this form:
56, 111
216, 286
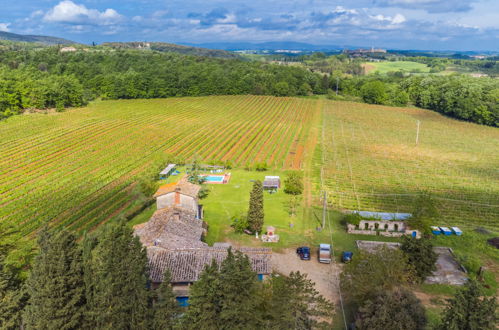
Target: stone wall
382, 227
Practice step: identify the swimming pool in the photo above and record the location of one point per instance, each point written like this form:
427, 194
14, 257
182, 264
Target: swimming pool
214, 178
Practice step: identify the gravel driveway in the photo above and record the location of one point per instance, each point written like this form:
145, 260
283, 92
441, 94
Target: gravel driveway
325, 276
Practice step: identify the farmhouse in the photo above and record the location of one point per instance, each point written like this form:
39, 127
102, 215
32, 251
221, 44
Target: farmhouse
67, 49
186, 264
183, 194
172, 227
173, 239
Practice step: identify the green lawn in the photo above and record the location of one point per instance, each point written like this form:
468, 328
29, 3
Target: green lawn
404, 66
231, 200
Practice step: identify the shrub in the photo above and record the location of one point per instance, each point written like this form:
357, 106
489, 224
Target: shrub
293, 184
240, 224
261, 167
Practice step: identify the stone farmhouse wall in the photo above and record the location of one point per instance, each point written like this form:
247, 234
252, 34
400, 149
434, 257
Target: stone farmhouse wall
387, 228
186, 201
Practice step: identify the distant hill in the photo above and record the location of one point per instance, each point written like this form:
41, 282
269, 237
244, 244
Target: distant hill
272, 45
167, 47
33, 38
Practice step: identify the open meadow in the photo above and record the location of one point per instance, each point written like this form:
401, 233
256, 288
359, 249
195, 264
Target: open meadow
392, 66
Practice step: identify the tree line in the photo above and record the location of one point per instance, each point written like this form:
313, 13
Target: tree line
41, 78
458, 96
103, 282
46, 78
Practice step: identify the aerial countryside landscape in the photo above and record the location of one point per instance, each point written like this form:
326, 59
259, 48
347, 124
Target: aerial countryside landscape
231, 165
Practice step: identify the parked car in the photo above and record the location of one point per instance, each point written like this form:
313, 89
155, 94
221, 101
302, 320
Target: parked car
325, 253
346, 256
303, 252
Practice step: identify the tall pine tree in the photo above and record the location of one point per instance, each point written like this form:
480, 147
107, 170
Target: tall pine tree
13, 297
255, 212
165, 309
292, 302
469, 310
55, 285
204, 301
238, 292
116, 275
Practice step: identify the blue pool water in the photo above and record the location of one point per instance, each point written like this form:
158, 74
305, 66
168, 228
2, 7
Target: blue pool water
214, 178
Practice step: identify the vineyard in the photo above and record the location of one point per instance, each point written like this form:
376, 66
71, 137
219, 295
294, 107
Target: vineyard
79, 168
371, 162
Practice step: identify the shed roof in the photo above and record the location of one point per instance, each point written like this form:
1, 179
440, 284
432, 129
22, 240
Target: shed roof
167, 169
184, 187
187, 264
271, 181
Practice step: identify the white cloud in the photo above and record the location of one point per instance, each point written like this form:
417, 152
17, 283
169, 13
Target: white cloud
4, 27
69, 12
397, 19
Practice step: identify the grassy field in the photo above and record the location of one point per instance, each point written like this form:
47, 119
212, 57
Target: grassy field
79, 168
388, 66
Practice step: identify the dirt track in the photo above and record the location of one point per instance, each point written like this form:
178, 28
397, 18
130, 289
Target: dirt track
324, 275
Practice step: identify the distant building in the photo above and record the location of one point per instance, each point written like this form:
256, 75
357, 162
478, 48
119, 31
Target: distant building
364, 51
67, 49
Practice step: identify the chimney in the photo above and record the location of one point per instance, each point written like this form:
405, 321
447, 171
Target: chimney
177, 196
176, 216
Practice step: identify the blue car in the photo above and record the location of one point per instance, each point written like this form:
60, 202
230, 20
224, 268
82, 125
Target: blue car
303, 252
346, 256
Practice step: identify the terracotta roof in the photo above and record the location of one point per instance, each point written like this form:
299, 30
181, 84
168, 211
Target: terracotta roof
172, 227
187, 264
183, 186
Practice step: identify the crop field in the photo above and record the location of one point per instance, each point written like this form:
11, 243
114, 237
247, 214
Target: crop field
371, 162
387, 66
79, 168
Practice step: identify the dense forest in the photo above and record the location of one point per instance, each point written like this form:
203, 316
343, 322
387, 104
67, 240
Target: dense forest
47, 78
44, 77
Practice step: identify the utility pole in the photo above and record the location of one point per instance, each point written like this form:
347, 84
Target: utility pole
324, 210
417, 133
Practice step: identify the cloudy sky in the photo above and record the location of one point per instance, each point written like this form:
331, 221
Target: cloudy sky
399, 24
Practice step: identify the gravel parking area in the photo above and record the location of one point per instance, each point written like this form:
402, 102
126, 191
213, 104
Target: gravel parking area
325, 276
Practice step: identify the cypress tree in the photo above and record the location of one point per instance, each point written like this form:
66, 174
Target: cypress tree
238, 292
255, 211
469, 310
165, 308
117, 278
55, 284
204, 301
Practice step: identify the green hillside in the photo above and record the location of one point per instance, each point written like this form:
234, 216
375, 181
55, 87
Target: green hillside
34, 38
